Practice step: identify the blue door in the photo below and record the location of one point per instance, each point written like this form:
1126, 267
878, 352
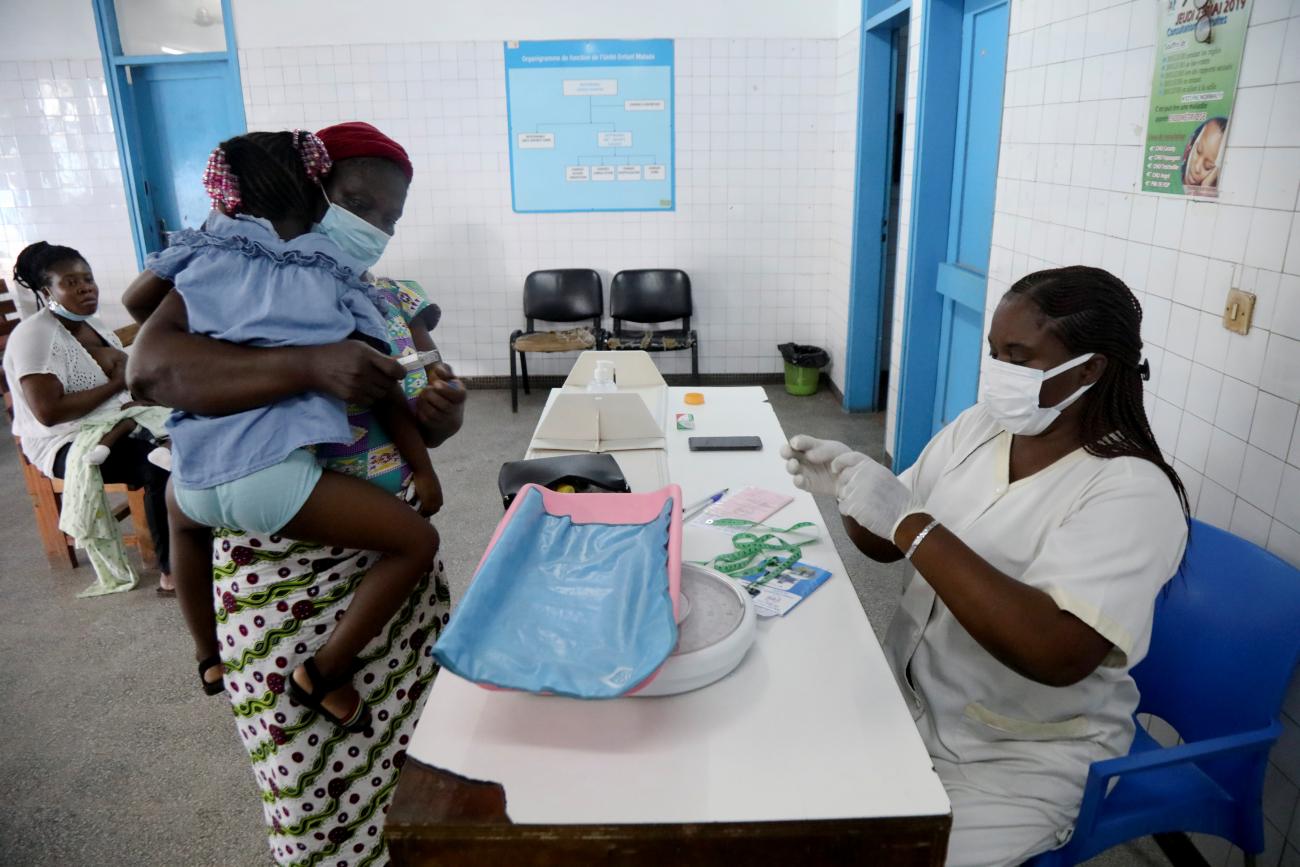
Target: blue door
180, 109
173, 79
882, 64
962, 279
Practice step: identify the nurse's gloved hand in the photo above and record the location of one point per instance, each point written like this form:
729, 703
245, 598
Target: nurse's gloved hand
871, 495
808, 460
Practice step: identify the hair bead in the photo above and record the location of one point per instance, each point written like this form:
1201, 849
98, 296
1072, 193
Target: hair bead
221, 183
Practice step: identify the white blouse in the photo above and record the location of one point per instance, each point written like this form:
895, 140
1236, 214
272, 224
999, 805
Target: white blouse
40, 344
1100, 536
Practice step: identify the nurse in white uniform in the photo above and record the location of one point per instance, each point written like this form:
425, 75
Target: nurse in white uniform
1042, 524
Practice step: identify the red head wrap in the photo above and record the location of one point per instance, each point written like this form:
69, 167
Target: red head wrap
358, 139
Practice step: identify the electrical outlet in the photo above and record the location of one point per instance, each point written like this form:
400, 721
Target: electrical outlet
1238, 310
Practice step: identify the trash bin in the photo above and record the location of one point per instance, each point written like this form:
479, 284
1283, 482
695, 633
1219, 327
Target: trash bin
803, 367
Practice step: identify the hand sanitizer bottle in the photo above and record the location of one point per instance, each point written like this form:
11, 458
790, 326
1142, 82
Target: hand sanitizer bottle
602, 379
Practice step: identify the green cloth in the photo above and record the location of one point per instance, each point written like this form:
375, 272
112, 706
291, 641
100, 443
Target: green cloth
85, 514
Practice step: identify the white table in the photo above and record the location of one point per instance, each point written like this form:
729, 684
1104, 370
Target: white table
809, 728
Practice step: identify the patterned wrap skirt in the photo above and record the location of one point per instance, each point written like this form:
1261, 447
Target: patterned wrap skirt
325, 792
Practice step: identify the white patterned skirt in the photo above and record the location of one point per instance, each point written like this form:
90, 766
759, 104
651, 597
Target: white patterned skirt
324, 792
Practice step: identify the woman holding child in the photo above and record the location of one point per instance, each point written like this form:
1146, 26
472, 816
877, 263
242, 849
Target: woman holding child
326, 754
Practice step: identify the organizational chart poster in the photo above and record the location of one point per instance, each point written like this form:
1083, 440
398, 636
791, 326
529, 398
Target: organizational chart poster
591, 125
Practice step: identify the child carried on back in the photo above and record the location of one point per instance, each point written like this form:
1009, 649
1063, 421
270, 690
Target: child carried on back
258, 274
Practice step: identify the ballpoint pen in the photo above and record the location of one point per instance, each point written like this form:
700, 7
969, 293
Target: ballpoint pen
692, 510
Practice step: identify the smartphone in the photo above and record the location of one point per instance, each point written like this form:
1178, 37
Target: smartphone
724, 444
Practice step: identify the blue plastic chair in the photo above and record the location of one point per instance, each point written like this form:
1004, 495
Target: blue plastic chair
1225, 641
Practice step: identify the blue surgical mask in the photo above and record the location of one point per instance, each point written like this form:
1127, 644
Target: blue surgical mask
354, 235
59, 310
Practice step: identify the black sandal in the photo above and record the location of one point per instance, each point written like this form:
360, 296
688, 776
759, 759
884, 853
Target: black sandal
320, 687
212, 687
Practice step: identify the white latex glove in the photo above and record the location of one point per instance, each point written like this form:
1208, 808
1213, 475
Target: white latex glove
871, 495
809, 459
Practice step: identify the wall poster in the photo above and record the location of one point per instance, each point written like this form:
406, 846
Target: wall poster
1197, 59
591, 125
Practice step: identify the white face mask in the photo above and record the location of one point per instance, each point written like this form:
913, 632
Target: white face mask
355, 236
59, 310
1011, 394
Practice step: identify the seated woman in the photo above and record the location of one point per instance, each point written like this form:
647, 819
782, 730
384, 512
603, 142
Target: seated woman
65, 368
277, 598
1041, 525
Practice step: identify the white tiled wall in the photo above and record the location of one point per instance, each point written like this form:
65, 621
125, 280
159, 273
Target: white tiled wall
755, 136
842, 200
1223, 406
60, 179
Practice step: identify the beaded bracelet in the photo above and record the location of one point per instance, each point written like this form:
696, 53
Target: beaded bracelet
920, 537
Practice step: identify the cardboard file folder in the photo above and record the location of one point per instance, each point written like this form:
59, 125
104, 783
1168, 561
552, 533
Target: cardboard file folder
630, 418
598, 423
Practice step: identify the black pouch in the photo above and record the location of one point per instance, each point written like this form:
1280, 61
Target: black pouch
584, 473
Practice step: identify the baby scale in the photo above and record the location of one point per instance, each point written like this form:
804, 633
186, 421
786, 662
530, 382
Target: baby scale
716, 625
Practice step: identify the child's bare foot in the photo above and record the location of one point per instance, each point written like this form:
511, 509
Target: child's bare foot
336, 700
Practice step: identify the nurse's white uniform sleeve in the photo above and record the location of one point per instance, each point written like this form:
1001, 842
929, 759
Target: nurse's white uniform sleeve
1116, 548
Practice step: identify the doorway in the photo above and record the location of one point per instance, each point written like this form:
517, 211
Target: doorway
881, 100
890, 235
962, 73
173, 80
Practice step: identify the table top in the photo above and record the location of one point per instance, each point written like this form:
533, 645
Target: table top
811, 725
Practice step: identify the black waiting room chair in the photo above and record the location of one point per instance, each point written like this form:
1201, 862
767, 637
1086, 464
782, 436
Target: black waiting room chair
561, 295
652, 296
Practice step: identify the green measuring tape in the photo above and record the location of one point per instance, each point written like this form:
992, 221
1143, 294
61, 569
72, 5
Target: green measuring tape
766, 553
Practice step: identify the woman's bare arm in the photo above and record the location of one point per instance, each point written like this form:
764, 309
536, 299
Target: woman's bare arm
1020, 625
440, 408
172, 367
52, 405
144, 295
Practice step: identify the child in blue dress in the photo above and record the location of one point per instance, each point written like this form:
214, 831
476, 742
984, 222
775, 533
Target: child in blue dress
256, 273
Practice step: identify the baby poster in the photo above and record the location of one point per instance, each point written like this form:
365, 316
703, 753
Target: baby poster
1198, 54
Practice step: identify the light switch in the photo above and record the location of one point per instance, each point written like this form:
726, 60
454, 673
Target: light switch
1237, 311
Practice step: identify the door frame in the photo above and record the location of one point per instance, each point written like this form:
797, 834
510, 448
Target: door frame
118, 76
939, 80
962, 286
873, 172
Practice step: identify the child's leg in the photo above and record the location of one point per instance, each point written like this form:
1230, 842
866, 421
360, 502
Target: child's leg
121, 429
191, 553
100, 453
353, 513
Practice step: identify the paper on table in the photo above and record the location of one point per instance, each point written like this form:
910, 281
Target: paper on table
747, 504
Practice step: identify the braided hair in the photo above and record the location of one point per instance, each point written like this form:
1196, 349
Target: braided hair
1091, 310
272, 181
32, 267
